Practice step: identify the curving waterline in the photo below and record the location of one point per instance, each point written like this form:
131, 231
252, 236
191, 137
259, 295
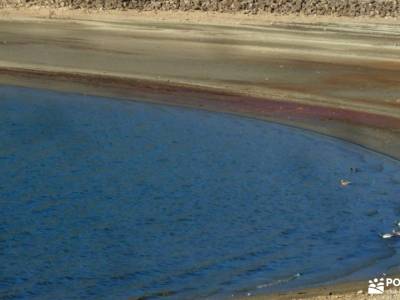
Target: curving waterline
126, 199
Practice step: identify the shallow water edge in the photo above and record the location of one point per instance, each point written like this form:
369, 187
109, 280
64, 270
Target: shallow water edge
374, 131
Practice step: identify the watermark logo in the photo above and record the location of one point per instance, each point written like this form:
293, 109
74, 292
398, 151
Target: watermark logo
376, 286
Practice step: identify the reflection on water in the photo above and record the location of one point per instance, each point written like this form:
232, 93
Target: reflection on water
113, 199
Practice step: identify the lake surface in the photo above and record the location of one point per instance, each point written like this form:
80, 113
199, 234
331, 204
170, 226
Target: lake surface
107, 199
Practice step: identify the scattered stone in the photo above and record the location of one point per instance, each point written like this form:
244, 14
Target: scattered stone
349, 8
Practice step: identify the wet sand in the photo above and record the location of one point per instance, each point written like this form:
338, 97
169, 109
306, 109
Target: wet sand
340, 77
348, 291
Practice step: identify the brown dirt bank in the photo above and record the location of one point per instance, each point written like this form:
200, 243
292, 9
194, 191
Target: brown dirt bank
337, 78
349, 65
214, 99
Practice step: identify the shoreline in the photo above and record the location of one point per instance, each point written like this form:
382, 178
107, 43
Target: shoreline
325, 120
346, 291
373, 123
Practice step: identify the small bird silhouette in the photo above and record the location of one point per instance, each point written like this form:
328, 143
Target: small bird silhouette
344, 182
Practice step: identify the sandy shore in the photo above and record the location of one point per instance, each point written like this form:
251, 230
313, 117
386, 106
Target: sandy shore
339, 77
356, 290
324, 294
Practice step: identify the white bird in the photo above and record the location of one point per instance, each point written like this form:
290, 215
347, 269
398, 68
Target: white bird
344, 182
387, 235
390, 235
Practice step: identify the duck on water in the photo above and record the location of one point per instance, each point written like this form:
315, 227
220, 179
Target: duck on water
394, 233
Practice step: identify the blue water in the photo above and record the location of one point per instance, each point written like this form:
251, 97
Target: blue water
106, 199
